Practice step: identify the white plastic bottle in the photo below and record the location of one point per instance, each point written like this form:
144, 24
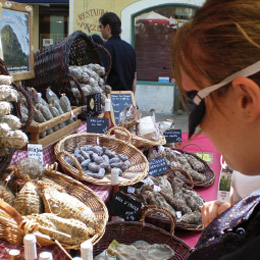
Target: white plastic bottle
30, 249
86, 250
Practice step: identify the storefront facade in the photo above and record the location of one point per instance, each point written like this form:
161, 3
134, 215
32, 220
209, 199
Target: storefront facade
148, 25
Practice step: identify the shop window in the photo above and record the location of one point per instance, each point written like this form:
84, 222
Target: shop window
154, 30
53, 23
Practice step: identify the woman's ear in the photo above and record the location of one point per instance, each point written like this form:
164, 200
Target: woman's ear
248, 93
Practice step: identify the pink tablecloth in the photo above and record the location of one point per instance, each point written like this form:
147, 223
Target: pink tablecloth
209, 193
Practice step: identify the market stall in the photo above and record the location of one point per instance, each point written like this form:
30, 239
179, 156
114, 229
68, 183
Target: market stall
95, 166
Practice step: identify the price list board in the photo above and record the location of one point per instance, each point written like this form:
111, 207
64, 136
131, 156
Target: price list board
119, 101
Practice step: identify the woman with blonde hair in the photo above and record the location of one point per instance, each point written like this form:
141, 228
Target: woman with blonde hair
216, 64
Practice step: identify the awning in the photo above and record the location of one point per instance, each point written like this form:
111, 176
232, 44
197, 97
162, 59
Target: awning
152, 18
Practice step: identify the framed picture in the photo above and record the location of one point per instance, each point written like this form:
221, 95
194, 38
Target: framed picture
16, 37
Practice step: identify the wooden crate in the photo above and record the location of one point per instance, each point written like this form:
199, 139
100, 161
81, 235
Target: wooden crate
35, 129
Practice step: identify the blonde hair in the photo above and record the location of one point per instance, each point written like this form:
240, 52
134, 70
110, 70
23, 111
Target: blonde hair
221, 39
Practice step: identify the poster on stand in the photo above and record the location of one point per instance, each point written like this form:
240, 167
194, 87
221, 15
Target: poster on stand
16, 39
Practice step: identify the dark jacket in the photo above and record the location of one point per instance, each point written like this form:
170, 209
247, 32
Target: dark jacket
123, 67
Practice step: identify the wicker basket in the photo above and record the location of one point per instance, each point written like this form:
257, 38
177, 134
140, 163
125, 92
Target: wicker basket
208, 172
160, 221
128, 232
137, 171
51, 64
15, 230
123, 134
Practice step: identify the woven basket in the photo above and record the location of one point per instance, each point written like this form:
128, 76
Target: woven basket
128, 232
137, 171
51, 64
14, 231
160, 221
123, 134
208, 172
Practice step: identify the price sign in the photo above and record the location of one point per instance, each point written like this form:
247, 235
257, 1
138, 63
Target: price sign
173, 136
124, 207
119, 101
97, 125
35, 151
158, 166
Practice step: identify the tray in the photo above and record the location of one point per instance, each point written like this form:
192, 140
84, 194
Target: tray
35, 130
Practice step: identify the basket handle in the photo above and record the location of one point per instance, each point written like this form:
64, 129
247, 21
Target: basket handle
186, 145
52, 167
108, 57
149, 209
190, 183
77, 164
123, 129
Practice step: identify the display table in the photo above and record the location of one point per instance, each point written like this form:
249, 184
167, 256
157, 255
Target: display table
201, 143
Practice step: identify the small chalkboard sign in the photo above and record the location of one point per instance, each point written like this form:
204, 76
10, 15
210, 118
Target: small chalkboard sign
119, 101
158, 166
97, 125
173, 136
124, 207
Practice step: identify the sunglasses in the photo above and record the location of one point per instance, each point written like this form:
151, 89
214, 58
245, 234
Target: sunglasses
196, 98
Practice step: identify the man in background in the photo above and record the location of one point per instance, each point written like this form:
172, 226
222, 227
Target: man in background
122, 75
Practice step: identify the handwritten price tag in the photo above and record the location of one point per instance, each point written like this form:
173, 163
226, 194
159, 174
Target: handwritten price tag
97, 125
173, 136
35, 151
158, 166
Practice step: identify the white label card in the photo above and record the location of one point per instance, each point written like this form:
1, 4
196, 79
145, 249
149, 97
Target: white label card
35, 151
156, 188
178, 214
130, 189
